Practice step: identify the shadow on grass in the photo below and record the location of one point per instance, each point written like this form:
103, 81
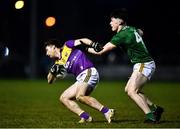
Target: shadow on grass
168, 121
116, 121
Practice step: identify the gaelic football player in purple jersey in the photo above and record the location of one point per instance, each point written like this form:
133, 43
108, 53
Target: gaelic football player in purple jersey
70, 58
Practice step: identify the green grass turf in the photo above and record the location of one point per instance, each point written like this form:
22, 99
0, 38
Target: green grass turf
35, 104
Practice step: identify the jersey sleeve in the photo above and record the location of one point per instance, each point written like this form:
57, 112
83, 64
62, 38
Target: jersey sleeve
70, 43
117, 39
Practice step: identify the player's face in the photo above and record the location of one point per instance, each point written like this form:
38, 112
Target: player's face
50, 51
115, 22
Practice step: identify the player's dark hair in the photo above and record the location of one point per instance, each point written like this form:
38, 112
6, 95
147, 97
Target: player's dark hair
55, 42
120, 13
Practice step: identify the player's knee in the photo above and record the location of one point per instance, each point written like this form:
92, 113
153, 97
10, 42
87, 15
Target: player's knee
131, 92
62, 98
79, 97
126, 89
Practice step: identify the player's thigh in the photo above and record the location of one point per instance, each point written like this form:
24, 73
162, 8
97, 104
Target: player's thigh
87, 81
83, 89
136, 81
70, 92
147, 68
89, 76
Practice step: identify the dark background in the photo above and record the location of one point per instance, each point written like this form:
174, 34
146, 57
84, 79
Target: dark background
24, 31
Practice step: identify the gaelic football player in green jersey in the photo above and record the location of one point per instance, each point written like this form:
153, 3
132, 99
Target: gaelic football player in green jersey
144, 66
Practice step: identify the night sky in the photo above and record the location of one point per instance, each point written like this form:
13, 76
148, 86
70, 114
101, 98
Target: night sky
81, 18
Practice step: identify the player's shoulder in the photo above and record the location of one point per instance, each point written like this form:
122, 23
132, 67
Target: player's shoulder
69, 43
127, 31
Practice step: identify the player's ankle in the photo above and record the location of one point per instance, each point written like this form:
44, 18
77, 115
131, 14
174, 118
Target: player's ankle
150, 116
104, 109
84, 115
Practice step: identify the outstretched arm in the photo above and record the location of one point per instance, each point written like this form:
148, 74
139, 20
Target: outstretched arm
108, 47
97, 50
85, 43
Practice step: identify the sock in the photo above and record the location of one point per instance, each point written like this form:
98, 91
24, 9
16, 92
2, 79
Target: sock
150, 116
84, 115
104, 109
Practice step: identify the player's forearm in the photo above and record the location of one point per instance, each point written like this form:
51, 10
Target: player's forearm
50, 78
92, 51
84, 41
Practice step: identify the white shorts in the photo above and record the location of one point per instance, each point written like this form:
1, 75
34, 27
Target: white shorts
91, 76
147, 68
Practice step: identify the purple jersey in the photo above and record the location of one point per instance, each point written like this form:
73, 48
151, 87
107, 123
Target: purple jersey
77, 60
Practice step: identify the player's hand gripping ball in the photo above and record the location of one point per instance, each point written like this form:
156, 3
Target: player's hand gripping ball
56, 71
51, 78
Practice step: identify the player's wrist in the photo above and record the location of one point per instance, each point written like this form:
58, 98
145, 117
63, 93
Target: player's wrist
92, 44
96, 46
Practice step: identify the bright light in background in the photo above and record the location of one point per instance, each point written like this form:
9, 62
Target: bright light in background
50, 21
19, 4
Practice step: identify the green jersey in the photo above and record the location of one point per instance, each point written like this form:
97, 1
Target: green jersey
129, 38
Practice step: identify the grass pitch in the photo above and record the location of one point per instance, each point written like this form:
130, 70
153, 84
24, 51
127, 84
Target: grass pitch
35, 104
